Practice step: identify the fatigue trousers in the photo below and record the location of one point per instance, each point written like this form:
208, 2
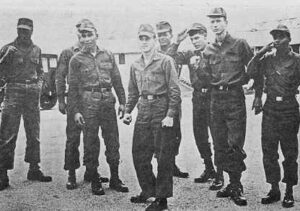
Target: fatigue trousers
280, 125
98, 110
228, 127
72, 144
201, 119
20, 100
149, 137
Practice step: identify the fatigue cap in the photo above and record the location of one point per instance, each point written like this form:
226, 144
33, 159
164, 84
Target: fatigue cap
163, 26
217, 12
25, 23
85, 25
197, 27
281, 28
146, 30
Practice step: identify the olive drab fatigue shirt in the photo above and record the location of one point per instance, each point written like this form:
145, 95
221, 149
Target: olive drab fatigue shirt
100, 71
227, 62
159, 77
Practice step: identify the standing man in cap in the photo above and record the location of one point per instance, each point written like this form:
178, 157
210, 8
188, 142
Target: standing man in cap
227, 59
165, 35
200, 81
20, 63
280, 123
72, 130
153, 85
93, 73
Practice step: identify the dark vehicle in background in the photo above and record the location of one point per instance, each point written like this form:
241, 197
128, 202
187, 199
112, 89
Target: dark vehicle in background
48, 94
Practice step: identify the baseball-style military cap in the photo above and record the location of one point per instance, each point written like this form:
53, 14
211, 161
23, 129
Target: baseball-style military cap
146, 30
217, 12
25, 23
197, 27
85, 25
281, 28
163, 26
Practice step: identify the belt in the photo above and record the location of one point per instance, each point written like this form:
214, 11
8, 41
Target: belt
225, 87
152, 97
20, 81
281, 98
97, 89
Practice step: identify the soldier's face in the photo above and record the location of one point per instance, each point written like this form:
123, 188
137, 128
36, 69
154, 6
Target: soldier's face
281, 40
24, 35
146, 43
198, 41
88, 39
218, 24
164, 38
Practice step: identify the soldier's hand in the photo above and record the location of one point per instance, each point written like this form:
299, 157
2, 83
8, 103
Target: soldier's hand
249, 85
167, 122
195, 61
11, 49
121, 111
62, 107
266, 49
257, 105
127, 119
79, 119
181, 36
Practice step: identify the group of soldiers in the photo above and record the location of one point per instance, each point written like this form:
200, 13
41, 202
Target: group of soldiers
218, 71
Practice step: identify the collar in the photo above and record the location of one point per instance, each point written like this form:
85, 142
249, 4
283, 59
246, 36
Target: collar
98, 50
227, 39
16, 43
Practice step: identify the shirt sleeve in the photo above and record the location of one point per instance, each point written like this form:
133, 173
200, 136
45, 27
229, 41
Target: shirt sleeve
133, 92
255, 70
173, 87
74, 83
61, 75
117, 82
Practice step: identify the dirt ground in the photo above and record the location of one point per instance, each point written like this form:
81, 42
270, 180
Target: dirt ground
27, 195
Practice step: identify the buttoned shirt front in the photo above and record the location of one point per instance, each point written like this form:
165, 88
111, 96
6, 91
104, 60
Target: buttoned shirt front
227, 62
159, 77
99, 71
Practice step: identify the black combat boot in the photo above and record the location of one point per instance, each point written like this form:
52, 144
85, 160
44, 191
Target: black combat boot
218, 181
208, 174
96, 184
178, 173
288, 200
273, 195
71, 184
237, 195
35, 174
88, 177
158, 205
4, 181
115, 182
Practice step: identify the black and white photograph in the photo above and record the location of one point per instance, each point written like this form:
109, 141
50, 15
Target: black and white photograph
149, 105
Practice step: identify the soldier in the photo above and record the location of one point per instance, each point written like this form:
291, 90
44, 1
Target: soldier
72, 130
20, 63
153, 85
227, 58
93, 73
200, 81
165, 35
280, 122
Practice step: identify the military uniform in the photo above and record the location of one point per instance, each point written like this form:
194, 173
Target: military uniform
24, 75
163, 27
154, 88
72, 130
91, 80
280, 121
226, 63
